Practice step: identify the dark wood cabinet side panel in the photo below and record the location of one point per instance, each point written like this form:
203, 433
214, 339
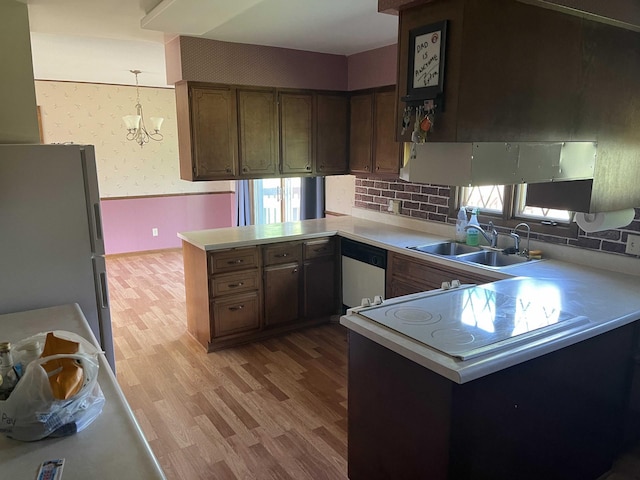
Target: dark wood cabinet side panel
332, 134
533, 84
296, 133
183, 121
258, 132
399, 416
196, 284
361, 133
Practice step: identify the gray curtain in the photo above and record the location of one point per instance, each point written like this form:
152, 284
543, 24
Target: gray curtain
243, 203
312, 198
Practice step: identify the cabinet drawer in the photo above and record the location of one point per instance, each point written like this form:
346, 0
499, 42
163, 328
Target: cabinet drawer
236, 314
281, 253
235, 259
323, 247
239, 282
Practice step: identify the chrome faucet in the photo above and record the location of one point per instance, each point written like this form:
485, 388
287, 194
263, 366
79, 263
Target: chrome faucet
491, 235
516, 238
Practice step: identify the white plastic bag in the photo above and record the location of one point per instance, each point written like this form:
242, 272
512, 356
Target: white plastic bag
31, 412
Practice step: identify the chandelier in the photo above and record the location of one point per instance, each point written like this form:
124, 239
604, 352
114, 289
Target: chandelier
136, 129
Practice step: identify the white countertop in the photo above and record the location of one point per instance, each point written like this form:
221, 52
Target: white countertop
112, 447
608, 299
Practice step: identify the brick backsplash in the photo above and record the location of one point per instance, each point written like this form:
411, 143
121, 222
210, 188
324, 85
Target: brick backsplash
431, 202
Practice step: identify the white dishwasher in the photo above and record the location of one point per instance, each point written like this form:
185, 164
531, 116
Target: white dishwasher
363, 272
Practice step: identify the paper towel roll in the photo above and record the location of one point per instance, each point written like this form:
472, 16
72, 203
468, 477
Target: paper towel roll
597, 222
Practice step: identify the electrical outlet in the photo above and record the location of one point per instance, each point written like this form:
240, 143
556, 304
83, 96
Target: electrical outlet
394, 206
154, 232
633, 244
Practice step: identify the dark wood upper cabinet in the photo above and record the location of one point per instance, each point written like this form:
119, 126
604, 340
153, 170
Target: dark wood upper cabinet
372, 145
332, 134
386, 151
207, 132
258, 132
361, 133
296, 132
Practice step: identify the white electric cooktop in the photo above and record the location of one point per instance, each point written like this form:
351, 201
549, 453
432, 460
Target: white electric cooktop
470, 321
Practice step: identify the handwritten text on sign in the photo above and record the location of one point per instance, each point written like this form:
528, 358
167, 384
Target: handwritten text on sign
426, 71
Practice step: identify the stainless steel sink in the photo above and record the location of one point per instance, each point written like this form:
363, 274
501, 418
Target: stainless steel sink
448, 249
493, 259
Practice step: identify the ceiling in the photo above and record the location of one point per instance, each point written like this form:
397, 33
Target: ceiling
100, 41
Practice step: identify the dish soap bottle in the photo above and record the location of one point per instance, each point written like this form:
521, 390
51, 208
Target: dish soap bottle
472, 233
461, 222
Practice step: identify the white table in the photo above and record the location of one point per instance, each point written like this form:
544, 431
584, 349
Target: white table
112, 447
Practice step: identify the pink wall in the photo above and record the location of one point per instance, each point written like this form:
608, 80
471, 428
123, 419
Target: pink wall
127, 223
236, 63
373, 68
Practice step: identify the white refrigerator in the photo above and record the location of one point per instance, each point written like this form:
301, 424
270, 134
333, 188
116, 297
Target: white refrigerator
51, 242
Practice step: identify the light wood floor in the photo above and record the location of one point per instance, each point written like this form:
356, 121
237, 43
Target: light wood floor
271, 410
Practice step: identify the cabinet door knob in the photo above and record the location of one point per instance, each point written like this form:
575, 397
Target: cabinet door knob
295, 270
367, 168
321, 167
377, 167
308, 167
244, 169
236, 308
228, 169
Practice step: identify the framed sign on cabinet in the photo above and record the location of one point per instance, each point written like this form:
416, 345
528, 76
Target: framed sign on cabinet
425, 79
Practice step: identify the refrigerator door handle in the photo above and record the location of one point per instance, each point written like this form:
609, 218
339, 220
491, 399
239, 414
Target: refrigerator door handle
97, 220
104, 294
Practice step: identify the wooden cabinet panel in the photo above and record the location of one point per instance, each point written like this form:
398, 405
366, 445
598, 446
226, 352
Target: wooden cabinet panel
320, 298
407, 274
235, 259
398, 288
386, 151
281, 294
332, 134
235, 314
361, 133
323, 247
258, 132
207, 132
296, 133
231, 283
280, 253
372, 145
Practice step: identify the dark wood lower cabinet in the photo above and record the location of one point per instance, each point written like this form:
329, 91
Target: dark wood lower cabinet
236, 314
239, 295
281, 294
556, 417
320, 298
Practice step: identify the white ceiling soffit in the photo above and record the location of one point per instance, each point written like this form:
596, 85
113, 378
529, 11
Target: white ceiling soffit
90, 18
193, 17
341, 27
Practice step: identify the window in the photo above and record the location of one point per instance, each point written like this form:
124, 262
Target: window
508, 204
276, 200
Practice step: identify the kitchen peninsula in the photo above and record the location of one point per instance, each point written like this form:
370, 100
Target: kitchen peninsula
453, 418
